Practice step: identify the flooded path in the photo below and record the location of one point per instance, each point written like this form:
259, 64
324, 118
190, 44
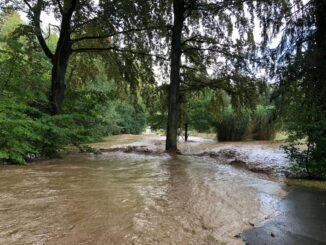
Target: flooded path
302, 221
131, 198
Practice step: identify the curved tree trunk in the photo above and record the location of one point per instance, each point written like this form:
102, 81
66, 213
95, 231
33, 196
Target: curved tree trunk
173, 111
63, 50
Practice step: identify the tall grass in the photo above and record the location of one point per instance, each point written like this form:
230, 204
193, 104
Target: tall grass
257, 125
263, 123
233, 126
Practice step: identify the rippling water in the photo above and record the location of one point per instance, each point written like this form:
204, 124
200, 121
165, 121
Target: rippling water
128, 198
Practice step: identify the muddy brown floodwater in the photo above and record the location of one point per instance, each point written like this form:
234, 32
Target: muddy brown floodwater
132, 198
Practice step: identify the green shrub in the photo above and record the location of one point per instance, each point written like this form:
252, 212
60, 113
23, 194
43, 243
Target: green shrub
19, 133
27, 133
307, 143
130, 120
263, 123
233, 126
199, 118
157, 121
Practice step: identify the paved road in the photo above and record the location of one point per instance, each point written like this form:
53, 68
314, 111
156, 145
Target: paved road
302, 221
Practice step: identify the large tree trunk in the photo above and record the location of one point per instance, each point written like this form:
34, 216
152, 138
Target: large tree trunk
61, 57
173, 111
63, 50
59, 68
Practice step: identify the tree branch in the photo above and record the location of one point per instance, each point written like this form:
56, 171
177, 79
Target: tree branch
86, 22
36, 14
117, 49
28, 5
113, 34
216, 50
60, 6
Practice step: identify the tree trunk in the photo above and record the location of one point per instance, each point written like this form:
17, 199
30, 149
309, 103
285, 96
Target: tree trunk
173, 111
61, 57
186, 132
63, 50
59, 68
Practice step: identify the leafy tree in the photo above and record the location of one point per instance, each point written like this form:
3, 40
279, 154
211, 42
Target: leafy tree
84, 27
28, 133
91, 110
218, 35
131, 120
23, 67
302, 88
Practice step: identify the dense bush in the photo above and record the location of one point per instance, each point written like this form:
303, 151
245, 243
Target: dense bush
131, 120
92, 106
198, 116
305, 122
263, 123
157, 115
19, 132
27, 133
233, 126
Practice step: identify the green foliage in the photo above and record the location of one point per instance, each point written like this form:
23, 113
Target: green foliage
305, 122
233, 126
302, 89
27, 133
199, 117
208, 111
157, 112
96, 97
131, 120
23, 67
18, 131
247, 124
263, 123
93, 108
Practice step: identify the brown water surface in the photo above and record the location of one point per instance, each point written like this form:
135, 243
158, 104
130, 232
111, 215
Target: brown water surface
129, 198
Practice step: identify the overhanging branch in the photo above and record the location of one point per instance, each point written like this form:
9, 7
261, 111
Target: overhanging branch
36, 14
120, 50
114, 34
60, 6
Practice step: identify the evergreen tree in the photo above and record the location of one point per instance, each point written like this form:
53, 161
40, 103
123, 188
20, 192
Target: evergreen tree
301, 66
215, 35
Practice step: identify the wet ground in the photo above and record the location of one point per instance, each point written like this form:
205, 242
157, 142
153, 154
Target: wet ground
302, 221
127, 197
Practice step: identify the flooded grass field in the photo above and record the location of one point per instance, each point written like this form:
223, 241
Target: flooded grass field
132, 198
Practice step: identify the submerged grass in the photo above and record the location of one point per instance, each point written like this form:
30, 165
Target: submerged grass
202, 134
307, 183
215, 240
